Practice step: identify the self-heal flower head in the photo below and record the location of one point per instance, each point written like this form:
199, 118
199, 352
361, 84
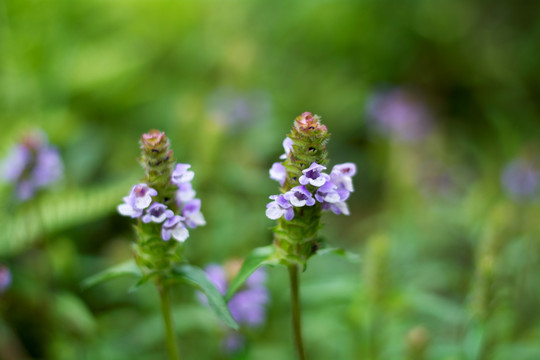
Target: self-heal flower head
181, 174
5, 278
157, 213
278, 173
299, 196
174, 227
192, 214
314, 175
279, 207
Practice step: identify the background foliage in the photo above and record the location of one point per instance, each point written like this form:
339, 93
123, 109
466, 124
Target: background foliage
225, 80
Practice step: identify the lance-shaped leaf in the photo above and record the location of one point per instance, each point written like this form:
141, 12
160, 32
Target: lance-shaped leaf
197, 277
129, 268
260, 256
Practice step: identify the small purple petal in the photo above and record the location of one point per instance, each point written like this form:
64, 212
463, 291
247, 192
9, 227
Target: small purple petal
278, 173
181, 174
314, 175
5, 278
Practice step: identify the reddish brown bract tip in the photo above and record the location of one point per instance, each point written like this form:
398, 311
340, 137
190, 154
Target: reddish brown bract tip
153, 139
309, 123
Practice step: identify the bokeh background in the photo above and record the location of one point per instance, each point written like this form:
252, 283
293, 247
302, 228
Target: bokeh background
436, 102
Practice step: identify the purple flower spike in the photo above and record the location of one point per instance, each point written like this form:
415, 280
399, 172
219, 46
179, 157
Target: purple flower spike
314, 175
157, 213
185, 193
278, 173
174, 227
299, 196
181, 174
287, 145
192, 214
337, 208
5, 278
279, 207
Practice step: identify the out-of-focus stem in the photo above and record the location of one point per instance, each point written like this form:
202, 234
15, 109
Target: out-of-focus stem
165, 299
296, 312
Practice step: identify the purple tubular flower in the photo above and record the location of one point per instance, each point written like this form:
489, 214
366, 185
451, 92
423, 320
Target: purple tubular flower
138, 199
174, 227
192, 214
181, 174
299, 196
287, 145
157, 213
5, 278
520, 179
185, 193
279, 207
278, 173
342, 174
330, 193
314, 175
401, 114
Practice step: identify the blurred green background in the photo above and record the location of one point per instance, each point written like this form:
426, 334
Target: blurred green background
449, 255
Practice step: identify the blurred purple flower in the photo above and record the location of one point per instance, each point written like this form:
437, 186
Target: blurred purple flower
399, 113
520, 179
235, 110
247, 306
31, 165
5, 278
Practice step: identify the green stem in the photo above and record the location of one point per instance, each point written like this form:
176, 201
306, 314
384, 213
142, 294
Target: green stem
165, 299
295, 309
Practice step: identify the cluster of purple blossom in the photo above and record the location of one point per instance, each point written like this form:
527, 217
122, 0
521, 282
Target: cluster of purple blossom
331, 190
32, 164
521, 179
139, 204
247, 306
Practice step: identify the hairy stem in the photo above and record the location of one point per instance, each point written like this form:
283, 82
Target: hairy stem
165, 299
295, 310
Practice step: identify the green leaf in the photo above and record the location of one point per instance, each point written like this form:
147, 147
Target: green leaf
197, 277
352, 257
260, 256
129, 268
